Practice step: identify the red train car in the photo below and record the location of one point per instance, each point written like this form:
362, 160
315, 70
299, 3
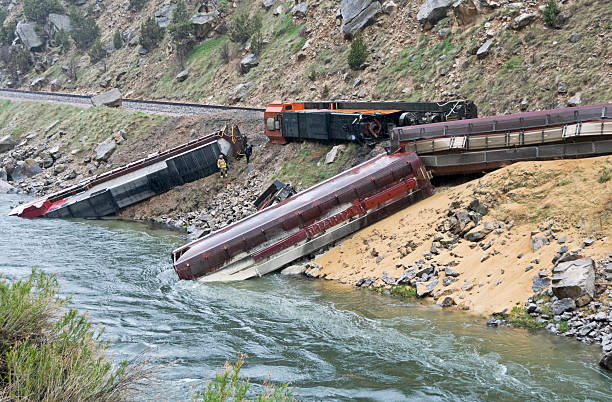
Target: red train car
303, 223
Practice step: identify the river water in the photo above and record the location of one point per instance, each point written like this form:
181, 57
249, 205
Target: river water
332, 342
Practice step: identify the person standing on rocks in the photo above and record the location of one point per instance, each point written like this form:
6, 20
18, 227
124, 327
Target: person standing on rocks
222, 165
248, 151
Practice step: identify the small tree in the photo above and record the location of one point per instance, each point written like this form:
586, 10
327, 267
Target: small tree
62, 39
257, 43
20, 62
181, 31
7, 33
150, 34
137, 5
225, 53
551, 10
117, 39
85, 31
72, 69
243, 27
96, 52
358, 53
39, 10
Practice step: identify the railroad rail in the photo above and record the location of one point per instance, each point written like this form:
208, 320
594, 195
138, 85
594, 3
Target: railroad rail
150, 106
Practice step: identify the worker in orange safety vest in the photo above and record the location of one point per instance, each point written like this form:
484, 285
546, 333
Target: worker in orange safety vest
222, 165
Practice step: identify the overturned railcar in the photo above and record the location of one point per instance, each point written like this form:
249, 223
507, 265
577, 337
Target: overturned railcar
490, 142
307, 221
108, 193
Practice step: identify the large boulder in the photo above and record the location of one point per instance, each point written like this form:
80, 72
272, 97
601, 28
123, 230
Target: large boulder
300, 10
606, 361
425, 288
203, 24
479, 232
25, 169
356, 14
239, 92
104, 150
6, 188
59, 22
163, 16
561, 306
6, 144
575, 280
28, 36
267, 4
110, 98
523, 20
248, 63
433, 11
38, 83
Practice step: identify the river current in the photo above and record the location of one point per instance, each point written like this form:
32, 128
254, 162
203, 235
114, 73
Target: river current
331, 342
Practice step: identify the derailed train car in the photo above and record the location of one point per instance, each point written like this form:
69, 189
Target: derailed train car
490, 142
108, 193
362, 122
303, 223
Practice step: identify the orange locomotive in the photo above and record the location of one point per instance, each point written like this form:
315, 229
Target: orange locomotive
362, 122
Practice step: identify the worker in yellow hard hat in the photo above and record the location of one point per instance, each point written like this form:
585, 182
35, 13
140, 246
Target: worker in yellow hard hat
222, 165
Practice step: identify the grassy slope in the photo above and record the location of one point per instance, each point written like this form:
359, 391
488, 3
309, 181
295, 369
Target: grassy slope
97, 124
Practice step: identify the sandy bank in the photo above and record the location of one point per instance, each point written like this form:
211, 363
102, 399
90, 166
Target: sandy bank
564, 202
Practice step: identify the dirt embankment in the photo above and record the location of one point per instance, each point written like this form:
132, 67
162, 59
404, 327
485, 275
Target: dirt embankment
564, 202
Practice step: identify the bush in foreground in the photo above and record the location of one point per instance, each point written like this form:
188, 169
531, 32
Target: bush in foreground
48, 353
227, 386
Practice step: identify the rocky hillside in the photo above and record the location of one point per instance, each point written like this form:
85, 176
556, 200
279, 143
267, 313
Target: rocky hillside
503, 55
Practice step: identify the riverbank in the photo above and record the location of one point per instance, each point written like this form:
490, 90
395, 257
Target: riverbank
488, 245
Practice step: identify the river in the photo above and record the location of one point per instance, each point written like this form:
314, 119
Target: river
332, 342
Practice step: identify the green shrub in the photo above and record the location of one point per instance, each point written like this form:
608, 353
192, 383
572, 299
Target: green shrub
243, 27
85, 31
150, 34
96, 52
605, 175
551, 10
3, 15
182, 32
137, 5
39, 10
46, 356
325, 92
225, 53
358, 52
312, 74
7, 33
227, 386
62, 39
117, 39
20, 61
257, 43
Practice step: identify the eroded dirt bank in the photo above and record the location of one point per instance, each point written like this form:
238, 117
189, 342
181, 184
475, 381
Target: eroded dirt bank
565, 202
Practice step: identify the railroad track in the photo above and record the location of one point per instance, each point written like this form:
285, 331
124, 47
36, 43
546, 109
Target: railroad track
157, 107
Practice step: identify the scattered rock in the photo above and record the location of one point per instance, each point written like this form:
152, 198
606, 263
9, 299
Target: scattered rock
182, 76
6, 188
356, 14
425, 288
239, 92
300, 10
294, 270
467, 286
539, 283
6, 144
386, 278
203, 24
465, 11
446, 301
575, 100
574, 37
562, 88
606, 361
433, 11
25, 169
104, 150
561, 306
38, 83
59, 22
247, 63
524, 105
483, 50
388, 7
163, 16
523, 20
479, 232
334, 154
28, 36
110, 98
574, 279
278, 11
538, 242
267, 4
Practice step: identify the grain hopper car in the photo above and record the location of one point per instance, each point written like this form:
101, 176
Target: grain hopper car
307, 221
491, 142
362, 122
110, 192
